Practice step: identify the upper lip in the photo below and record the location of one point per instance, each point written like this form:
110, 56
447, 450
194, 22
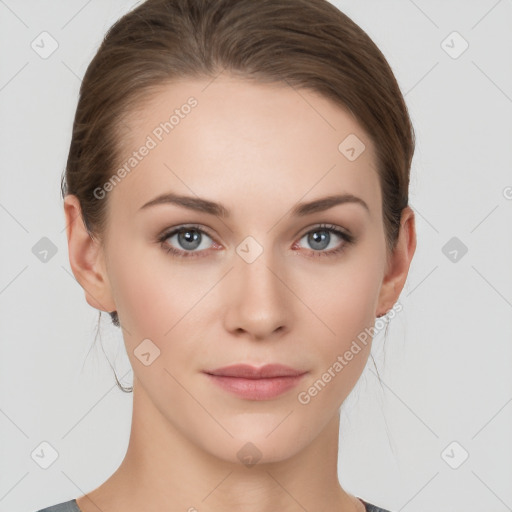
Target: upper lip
247, 371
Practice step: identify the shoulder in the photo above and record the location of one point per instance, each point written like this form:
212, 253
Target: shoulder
67, 506
372, 508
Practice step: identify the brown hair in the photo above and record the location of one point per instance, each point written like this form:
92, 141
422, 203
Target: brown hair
308, 44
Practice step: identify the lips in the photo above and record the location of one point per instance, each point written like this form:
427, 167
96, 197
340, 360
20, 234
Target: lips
246, 371
253, 383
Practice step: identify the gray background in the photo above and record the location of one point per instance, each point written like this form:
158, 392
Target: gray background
446, 367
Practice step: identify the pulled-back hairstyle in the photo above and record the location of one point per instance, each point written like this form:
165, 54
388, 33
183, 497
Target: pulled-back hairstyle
307, 44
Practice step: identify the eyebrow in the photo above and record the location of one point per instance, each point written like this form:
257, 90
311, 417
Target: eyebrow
212, 208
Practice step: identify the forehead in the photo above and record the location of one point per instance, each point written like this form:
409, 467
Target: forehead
226, 138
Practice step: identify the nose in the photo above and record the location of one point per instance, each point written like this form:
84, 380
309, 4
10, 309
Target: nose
259, 303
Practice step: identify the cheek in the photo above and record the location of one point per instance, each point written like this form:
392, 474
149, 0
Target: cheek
155, 303
345, 303
346, 298
151, 294
163, 301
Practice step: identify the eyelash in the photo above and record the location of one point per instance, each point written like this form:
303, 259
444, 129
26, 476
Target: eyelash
346, 237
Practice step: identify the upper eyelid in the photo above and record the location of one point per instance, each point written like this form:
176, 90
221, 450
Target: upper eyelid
166, 233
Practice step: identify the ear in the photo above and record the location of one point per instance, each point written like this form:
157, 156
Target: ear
399, 262
86, 258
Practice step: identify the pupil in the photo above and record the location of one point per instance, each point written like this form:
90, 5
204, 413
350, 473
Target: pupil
190, 236
318, 238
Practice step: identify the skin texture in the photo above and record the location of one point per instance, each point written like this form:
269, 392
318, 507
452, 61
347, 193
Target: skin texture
259, 149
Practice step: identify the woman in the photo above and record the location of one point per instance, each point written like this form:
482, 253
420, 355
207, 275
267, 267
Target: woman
236, 197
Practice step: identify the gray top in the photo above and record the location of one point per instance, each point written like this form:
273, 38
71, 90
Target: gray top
71, 506
67, 506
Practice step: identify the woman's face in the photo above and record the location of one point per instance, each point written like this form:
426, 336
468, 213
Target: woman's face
256, 280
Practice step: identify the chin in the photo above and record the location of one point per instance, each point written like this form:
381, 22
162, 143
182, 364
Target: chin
255, 443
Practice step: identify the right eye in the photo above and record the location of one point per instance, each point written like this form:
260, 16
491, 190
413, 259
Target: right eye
189, 238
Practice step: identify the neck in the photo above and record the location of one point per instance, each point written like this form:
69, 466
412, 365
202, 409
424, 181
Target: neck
163, 469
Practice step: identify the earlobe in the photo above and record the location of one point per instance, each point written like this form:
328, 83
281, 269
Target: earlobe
86, 258
399, 263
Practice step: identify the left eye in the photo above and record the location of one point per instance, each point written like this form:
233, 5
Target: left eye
320, 238
319, 241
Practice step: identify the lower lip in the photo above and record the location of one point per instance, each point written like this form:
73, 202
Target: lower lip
256, 389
